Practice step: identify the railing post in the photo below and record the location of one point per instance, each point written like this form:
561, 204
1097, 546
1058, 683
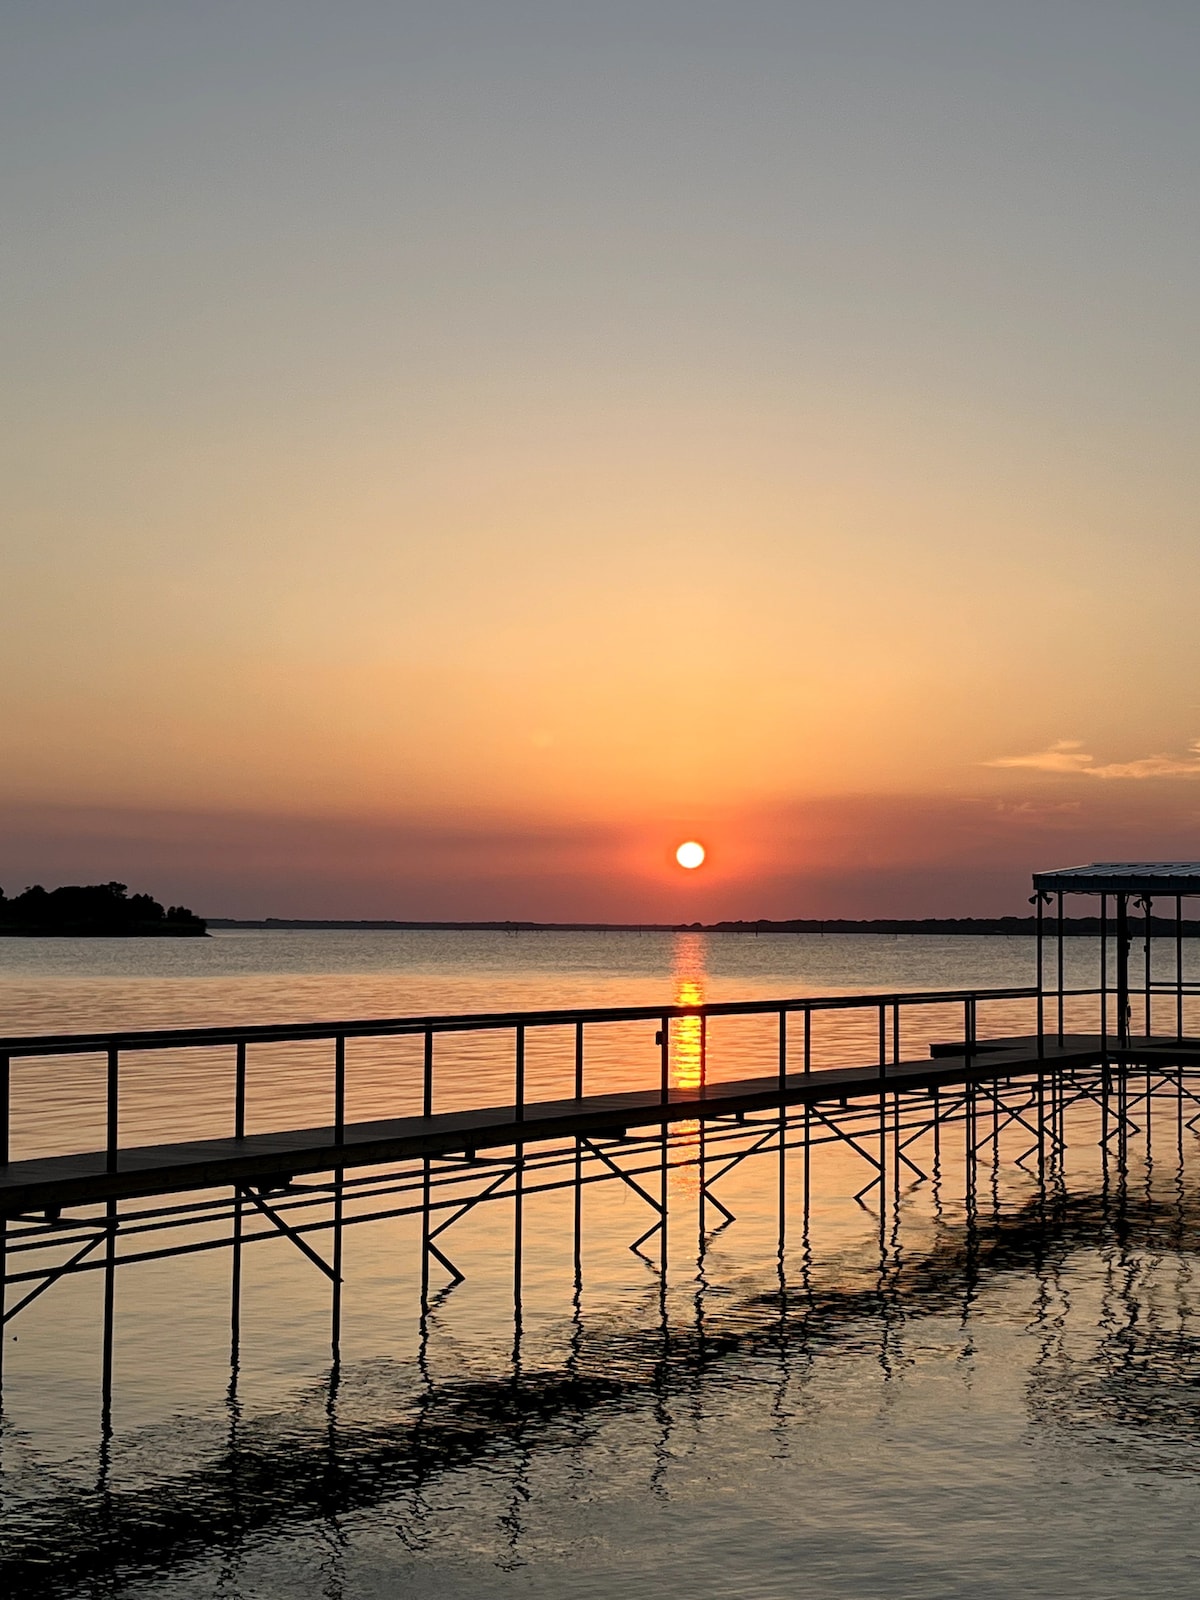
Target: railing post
579, 1061
427, 1097
339, 1089
520, 1072
966, 1030
782, 1054
882, 1042
664, 1053
239, 1092
807, 1041
895, 1033
113, 1107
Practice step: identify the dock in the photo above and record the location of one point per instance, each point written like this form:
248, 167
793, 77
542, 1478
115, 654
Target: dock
885, 1077
275, 1159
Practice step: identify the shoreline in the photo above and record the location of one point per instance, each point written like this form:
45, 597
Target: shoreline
995, 927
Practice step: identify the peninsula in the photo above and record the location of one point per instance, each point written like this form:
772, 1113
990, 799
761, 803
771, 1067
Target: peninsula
95, 910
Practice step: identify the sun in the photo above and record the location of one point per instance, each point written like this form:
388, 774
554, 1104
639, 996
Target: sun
690, 854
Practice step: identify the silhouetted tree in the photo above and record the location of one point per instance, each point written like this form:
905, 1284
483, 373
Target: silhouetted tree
101, 908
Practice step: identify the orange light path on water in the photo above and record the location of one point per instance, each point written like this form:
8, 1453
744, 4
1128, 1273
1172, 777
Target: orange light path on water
688, 1039
688, 1054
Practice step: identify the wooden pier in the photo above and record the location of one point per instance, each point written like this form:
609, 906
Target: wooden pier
273, 1159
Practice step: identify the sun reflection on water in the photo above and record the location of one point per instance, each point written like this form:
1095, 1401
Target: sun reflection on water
687, 1044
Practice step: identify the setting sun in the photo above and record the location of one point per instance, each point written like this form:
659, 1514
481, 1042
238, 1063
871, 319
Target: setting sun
690, 854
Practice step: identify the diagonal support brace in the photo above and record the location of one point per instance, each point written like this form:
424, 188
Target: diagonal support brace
277, 1221
54, 1275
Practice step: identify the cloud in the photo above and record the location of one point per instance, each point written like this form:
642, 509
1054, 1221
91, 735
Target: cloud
1068, 755
1065, 755
1032, 808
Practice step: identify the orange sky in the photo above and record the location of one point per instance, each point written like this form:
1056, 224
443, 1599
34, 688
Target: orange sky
449, 463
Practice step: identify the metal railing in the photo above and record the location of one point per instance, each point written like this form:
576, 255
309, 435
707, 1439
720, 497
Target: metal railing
113, 1046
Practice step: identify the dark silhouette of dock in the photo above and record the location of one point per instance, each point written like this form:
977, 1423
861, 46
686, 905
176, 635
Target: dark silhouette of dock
274, 1159
1076, 1059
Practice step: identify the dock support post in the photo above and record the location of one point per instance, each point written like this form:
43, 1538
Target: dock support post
1178, 1117
969, 1120
577, 1197
339, 1138
1124, 1009
110, 1288
1179, 975
703, 1159
1060, 973
663, 1138
1039, 903
1149, 1114
1148, 904
578, 1194
807, 1172
425, 1195
882, 1121
783, 1124
937, 1123
1041, 1126
518, 1236
235, 1291
335, 1331
426, 1186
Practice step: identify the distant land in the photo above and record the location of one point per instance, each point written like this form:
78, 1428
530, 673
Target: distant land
94, 911
1012, 927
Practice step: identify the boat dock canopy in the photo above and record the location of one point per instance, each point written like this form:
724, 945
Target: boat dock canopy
1122, 877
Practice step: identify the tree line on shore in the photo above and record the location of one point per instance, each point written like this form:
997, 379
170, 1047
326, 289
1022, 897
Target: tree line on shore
94, 908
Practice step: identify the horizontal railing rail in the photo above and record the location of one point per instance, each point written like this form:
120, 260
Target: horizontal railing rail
54, 1044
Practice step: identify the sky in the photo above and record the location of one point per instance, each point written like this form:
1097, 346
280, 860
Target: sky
453, 452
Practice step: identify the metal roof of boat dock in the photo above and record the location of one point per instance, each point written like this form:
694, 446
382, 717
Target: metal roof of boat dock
1123, 877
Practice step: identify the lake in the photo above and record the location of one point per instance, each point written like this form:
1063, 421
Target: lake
991, 1399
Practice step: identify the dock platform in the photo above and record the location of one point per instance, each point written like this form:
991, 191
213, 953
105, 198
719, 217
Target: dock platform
55, 1182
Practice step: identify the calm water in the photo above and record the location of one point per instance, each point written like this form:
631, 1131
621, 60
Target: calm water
996, 1402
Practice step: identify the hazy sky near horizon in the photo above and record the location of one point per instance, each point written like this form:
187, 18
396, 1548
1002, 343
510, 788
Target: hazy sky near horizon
453, 452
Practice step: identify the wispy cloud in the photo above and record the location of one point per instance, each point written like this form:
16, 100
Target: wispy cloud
1065, 755
1031, 808
1068, 755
